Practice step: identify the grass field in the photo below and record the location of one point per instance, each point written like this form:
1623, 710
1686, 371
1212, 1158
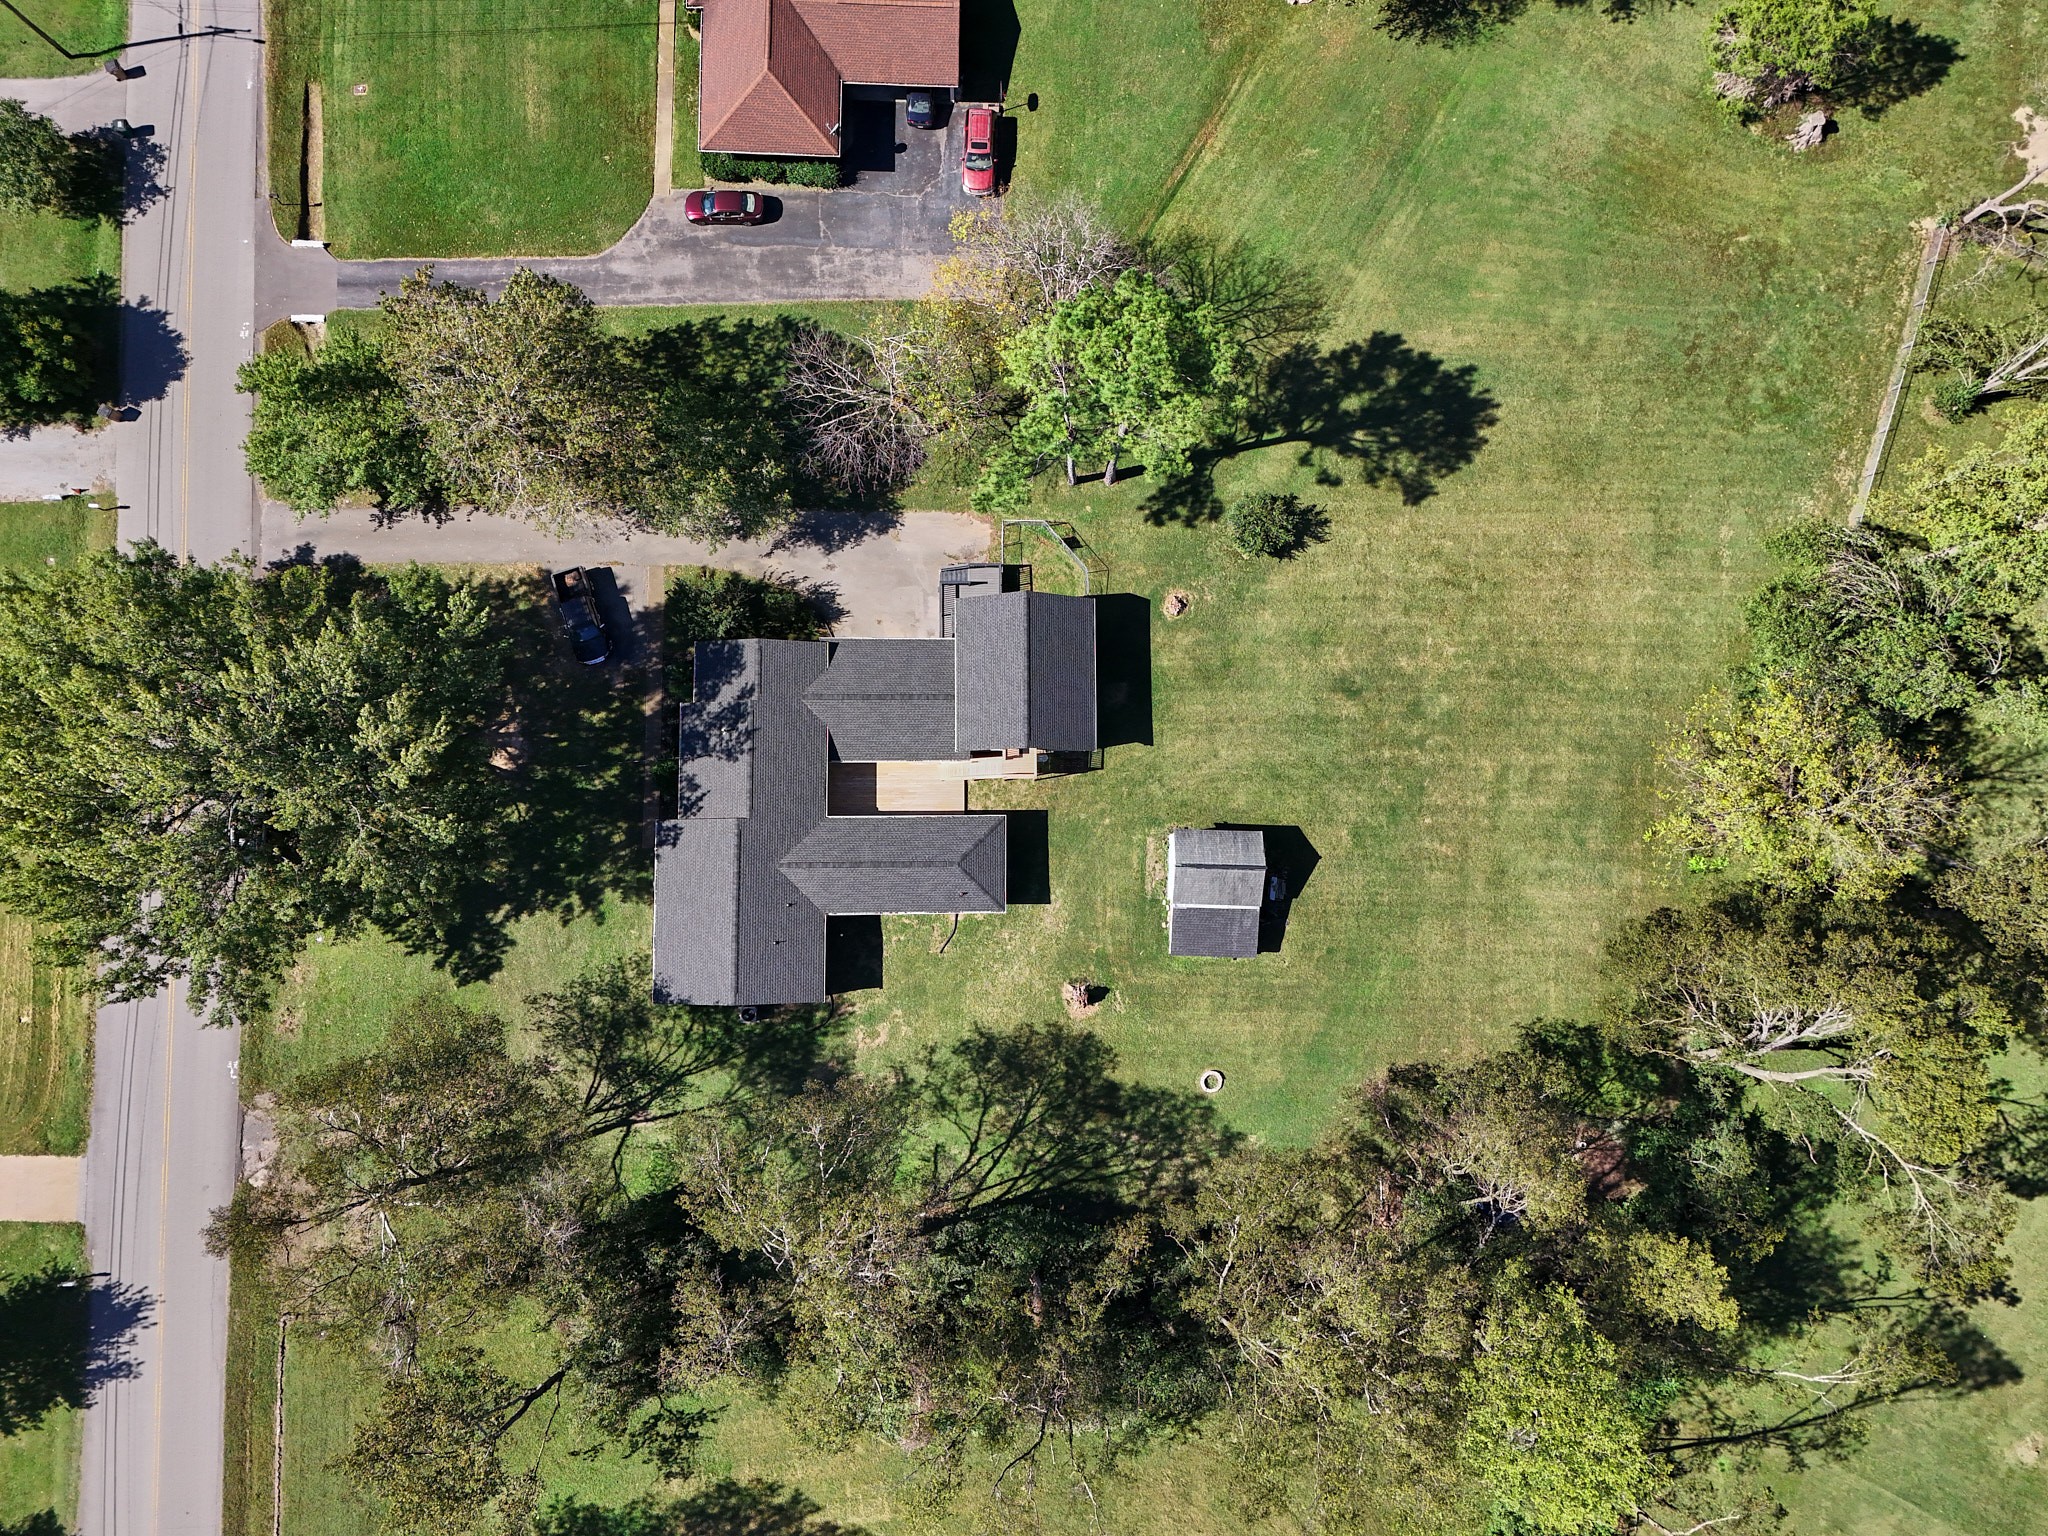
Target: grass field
45, 1024
486, 126
82, 26
39, 1467
1456, 701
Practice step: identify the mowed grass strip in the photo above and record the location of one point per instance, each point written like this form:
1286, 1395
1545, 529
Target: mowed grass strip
45, 1017
485, 127
91, 27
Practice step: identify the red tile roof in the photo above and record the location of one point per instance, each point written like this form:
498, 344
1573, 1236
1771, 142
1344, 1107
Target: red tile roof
773, 69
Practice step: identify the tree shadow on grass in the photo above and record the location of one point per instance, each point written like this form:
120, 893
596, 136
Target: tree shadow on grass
727, 1507
1378, 409
570, 832
1899, 62
63, 1336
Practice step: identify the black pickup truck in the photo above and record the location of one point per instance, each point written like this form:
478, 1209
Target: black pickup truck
577, 605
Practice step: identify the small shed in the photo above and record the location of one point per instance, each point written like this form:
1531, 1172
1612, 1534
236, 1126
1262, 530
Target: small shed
1215, 889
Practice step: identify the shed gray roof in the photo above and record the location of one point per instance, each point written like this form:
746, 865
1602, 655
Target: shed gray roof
887, 701
852, 865
1025, 672
1219, 933
1215, 887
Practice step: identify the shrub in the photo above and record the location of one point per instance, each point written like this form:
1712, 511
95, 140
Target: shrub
1956, 395
790, 173
1272, 524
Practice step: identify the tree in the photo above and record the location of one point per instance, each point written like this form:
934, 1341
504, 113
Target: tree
57, 354
36, 161
1984, 512
1808, 796
1983, 360
1771, 53
1120, 368
1546, 1425
203, 769
331, 425
526, 404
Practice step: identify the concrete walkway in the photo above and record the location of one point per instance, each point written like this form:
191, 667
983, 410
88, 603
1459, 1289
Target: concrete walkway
40, 1188
880, 571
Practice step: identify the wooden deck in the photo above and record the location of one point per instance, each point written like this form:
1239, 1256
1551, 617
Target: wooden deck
871, 789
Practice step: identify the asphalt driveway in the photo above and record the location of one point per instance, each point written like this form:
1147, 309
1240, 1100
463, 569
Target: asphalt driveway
877, 239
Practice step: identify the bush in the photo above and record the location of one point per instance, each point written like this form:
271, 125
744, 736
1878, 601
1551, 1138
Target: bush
780, 173
1275, 525
1956, 395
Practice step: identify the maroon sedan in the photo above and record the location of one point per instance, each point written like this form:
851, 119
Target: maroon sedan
725, 208
978, 160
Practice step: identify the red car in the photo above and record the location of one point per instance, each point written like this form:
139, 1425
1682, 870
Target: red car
725, 208
978, 162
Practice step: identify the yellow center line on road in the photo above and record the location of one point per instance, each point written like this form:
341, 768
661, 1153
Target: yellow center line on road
163, 1242
192, 119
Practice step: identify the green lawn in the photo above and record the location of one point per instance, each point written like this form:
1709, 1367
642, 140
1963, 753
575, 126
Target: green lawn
39, 1466
486, 126
1687, 331
40, 250
82, 26
45, 1020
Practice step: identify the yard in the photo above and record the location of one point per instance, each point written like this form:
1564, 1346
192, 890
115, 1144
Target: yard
81, 26
45, 1024
1457, 701
464, 127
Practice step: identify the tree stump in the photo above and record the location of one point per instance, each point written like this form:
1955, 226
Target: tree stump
1176, 604
1812, 129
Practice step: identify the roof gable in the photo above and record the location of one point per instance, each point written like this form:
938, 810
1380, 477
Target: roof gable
850, 865
887, 701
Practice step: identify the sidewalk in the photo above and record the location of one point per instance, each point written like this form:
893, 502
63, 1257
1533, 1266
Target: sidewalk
40, 1188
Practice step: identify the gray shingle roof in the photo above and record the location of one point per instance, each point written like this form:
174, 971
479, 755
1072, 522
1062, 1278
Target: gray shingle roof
1025, 672
1218, 933
1215, 886
696, 897
887, 701
869, 864
781, 934
715, 738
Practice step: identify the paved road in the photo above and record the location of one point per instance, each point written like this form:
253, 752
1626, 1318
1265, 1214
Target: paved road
881, 571
163, 1154
166, 1120
878, 239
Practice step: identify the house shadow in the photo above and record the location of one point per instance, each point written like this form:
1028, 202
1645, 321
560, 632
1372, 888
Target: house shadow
1123, 670
1291, 856
989, 31
853, 955
1030, 858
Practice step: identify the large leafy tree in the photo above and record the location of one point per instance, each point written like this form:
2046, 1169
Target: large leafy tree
37, 161
203, 768
1807, 794
1120, 368
331, 426
525, 402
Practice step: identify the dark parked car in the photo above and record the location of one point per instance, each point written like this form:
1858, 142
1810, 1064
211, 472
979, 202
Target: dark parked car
725, 208
978, 159
922, 109
577, 605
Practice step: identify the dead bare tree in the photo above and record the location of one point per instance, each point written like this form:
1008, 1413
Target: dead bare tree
1026, 261
854, 397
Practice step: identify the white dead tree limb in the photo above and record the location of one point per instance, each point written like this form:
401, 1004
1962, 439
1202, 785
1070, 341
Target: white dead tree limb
2008, 223
1025, 261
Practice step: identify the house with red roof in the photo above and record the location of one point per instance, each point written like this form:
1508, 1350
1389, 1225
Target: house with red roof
774, 73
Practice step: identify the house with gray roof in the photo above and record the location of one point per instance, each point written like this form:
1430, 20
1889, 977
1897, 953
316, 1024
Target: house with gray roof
827, 778
1215, 891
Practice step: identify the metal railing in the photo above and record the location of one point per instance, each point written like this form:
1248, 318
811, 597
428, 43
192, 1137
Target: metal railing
1093, 568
